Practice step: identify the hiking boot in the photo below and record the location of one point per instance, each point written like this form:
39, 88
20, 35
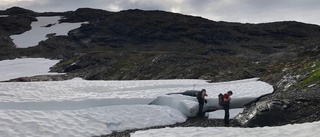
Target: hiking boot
227, 125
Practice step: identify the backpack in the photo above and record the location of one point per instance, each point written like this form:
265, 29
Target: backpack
199, 95
220, 97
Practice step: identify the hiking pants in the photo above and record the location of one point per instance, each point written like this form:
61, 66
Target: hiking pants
226, 114
201, 104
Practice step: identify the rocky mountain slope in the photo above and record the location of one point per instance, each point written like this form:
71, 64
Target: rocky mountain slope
296, 96
137, 44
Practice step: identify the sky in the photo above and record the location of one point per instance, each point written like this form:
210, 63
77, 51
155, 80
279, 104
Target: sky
244, 11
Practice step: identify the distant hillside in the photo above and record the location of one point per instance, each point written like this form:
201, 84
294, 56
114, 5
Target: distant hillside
137, 44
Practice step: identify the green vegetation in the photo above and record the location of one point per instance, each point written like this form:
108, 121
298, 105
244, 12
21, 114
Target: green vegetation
64, 64
314, 76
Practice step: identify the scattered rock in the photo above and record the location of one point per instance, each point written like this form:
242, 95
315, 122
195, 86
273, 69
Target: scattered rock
58, 77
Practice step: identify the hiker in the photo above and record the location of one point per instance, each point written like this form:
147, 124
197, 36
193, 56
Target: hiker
201, 99
226, 107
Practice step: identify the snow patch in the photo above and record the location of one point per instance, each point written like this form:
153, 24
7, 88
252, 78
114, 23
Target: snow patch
40, 29
25, 67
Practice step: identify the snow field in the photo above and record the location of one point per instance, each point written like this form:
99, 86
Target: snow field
296, 130
87, 108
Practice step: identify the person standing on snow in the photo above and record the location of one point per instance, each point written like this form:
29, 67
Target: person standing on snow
226, 107
201, 99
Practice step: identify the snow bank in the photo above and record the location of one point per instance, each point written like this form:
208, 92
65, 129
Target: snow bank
92, 108
80, 107
185, 104
25, 67
297, 130
85, 122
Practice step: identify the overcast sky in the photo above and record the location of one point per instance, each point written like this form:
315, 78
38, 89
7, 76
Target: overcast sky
245, 11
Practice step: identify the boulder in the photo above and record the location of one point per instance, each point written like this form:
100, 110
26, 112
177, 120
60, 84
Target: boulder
262, 114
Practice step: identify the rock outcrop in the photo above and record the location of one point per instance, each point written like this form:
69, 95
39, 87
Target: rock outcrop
295, 99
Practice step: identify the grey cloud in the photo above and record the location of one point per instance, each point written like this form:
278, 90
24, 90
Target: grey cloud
252, 11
